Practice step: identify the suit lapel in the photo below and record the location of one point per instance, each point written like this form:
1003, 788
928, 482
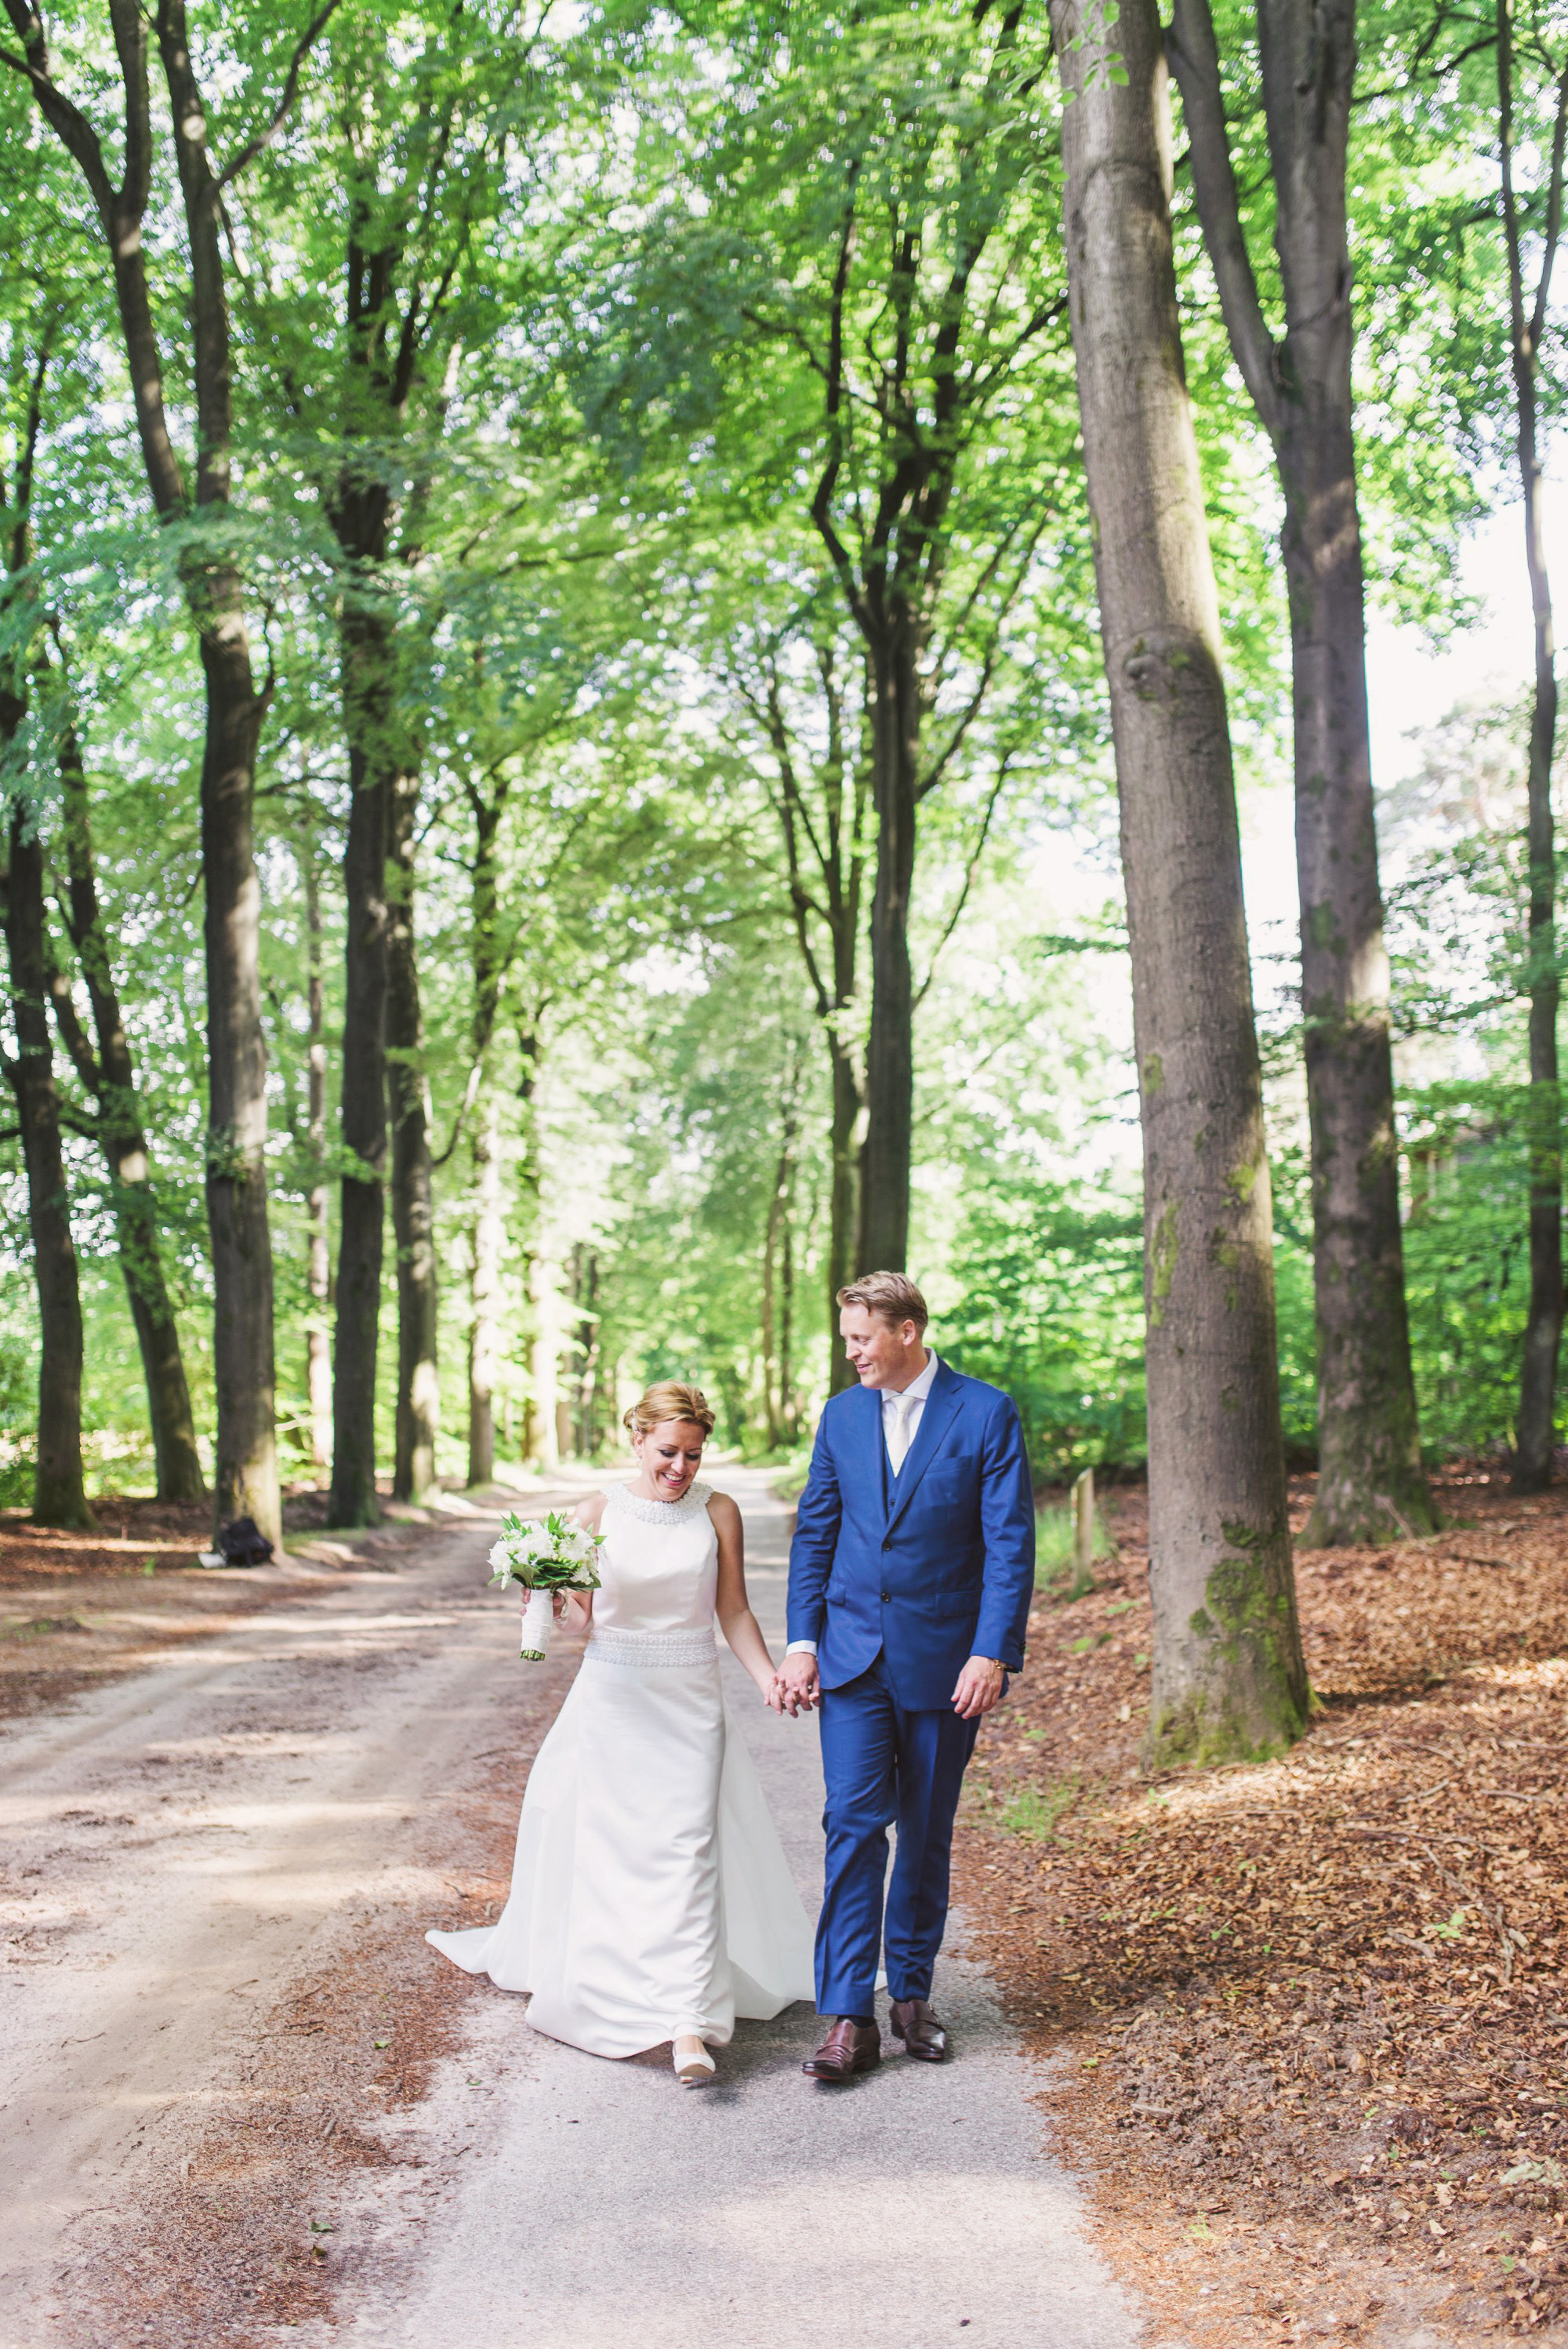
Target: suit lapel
940, 1405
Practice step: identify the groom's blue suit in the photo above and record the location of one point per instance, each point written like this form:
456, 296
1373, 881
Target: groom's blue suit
898, 1580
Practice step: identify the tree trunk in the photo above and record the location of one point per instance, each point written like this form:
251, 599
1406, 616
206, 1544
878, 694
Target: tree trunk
1229, 1678
1543, 1126
1370, 1480
247, 1476
172, 1424
318, 1342
843, 1203
544, 1377
538, 1442
413, 1181
366, 662
787, 1409
59, 1495
247, 1467
484, 1332
886, 1154
1543, 1323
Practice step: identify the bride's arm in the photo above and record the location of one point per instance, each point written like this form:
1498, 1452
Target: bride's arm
736, 1619
579, 1606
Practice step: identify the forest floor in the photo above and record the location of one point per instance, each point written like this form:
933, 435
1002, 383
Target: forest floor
1309, 2018
1304, 2025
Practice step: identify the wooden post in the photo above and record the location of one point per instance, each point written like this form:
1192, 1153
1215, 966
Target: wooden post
1083, 1533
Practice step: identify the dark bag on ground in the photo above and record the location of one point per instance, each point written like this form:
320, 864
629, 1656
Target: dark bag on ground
242, 1543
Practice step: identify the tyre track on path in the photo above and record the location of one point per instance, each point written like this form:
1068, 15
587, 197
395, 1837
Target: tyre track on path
183, 1850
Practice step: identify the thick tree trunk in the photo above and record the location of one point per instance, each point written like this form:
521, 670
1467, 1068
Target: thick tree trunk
1543, 1324
413, 1179
318, 1270
178, 1461
59, 1495
368, 685
1370, 1480
887, 1152
484, 1291
247, 1469
1229, 1678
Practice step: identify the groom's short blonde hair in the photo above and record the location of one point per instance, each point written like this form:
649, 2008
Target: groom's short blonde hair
891, 1294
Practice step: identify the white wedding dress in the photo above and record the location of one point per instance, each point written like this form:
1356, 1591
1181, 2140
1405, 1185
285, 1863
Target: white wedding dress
650, 1895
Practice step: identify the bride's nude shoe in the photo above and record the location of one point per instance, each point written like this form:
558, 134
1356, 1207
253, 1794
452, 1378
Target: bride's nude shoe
694, 2067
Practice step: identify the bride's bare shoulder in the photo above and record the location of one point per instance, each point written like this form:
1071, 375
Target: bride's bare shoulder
589, 1511
723, 1510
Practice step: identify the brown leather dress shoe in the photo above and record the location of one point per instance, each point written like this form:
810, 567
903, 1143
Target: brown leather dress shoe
848, 2047
924, 2037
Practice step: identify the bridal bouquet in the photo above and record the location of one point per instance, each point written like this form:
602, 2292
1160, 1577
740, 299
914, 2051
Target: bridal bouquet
544, 1556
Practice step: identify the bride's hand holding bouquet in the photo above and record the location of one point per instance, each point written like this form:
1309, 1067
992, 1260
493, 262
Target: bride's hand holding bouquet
545, 1557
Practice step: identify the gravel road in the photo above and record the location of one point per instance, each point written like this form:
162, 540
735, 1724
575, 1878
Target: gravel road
203, 2141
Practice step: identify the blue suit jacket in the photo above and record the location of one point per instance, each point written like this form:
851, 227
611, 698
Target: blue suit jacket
931, 1566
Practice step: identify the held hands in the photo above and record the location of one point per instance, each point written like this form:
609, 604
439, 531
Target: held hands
979, 1688
795, 1688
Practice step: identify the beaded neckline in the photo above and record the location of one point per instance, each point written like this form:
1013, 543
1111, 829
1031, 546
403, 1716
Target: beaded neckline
692, 1504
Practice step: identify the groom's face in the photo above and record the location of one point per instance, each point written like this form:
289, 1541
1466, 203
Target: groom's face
884, 1353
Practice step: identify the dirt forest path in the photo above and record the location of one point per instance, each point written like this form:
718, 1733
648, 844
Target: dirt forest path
243, 2102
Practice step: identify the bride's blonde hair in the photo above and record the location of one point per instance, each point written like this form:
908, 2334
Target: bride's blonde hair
668, 1398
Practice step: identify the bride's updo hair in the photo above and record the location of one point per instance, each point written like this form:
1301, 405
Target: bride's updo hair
669, 1398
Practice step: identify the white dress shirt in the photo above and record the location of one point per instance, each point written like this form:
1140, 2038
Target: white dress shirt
902, 1412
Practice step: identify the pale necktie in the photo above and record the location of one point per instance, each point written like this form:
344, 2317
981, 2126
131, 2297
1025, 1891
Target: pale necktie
904, 1410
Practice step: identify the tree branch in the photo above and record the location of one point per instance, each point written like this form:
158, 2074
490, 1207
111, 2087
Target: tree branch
1195, 57
303, 48
969, 871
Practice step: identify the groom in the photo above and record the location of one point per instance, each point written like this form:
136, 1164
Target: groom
909, 1579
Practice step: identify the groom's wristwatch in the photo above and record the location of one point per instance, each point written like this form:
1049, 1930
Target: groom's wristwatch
995, 1661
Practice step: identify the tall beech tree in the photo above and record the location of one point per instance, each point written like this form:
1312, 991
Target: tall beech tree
215, 593
1370, 1479
413, 1182
106, 1067
1229, 1677
897, 315
1539, 225
53, 792
821, 803
59, 1492
914, 350
414, 164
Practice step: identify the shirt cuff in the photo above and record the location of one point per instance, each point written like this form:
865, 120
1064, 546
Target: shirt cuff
802, 1648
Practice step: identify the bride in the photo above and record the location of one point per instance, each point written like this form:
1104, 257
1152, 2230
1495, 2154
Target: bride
650, 1899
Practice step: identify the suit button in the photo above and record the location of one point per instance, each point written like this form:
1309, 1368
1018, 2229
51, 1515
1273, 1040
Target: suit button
887, 1545
886, 1595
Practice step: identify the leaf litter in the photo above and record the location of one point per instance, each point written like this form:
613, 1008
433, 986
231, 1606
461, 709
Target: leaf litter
1307, 2021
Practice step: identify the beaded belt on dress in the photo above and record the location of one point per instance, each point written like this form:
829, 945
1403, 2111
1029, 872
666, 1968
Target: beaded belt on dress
651, 1652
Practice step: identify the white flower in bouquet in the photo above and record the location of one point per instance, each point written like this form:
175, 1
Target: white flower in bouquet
542, 1556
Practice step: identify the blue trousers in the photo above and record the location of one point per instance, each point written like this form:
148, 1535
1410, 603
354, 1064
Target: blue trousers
885, 1765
